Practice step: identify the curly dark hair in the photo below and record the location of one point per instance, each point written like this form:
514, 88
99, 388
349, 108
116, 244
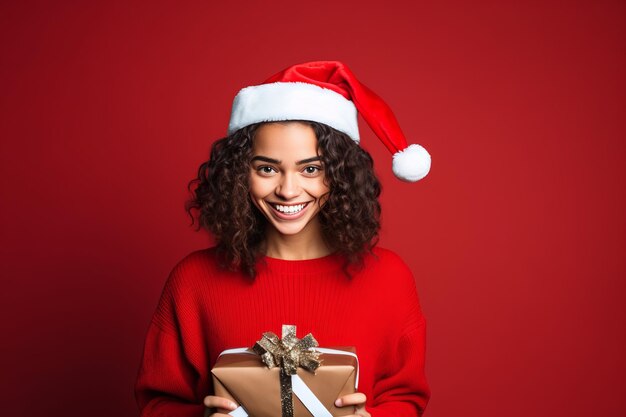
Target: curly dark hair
350, 218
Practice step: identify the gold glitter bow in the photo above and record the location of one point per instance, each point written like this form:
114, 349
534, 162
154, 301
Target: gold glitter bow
288, 353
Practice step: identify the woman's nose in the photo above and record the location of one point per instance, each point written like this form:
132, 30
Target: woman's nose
288, 187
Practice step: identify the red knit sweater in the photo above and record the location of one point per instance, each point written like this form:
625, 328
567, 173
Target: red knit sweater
204, 310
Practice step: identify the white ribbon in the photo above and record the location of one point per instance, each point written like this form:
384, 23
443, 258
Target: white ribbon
238, 412
299, 388
310, 401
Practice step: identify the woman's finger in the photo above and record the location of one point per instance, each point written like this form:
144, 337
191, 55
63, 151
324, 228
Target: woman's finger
351, 399
213, 401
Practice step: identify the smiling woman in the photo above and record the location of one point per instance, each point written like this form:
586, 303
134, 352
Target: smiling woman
276, 166
287, 184
292, 202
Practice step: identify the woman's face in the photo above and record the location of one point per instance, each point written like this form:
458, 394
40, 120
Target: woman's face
287, 177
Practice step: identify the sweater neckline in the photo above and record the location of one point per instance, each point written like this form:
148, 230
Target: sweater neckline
330, 262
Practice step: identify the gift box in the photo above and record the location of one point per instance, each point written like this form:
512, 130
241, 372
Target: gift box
286, 377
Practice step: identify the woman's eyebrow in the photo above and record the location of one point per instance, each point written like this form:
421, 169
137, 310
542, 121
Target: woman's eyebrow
306, 161
276, 161
266, 159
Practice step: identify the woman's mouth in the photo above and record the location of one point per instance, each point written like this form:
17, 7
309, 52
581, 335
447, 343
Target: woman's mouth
288, 211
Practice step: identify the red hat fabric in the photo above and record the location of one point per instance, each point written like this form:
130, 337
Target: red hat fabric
328, 92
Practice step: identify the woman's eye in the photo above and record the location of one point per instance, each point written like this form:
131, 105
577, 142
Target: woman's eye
312, 170
265, 169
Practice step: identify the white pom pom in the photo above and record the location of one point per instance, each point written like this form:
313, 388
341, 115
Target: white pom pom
411, 164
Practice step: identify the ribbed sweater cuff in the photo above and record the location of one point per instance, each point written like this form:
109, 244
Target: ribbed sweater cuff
169, 408
393, 409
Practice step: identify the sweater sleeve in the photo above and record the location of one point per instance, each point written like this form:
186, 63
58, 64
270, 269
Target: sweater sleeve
401, 388
167, 382
404, 390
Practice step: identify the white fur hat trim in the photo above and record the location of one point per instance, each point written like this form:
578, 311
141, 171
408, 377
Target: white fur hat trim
293, 101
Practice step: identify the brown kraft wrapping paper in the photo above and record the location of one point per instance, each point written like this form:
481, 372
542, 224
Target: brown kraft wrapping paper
245, 379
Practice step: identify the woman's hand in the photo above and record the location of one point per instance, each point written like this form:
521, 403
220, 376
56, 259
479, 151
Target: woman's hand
358, 400
223, 405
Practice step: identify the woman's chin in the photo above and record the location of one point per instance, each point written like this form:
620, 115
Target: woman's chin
295, 227
288, 230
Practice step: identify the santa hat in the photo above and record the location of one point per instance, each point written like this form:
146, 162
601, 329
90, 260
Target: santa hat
327, 92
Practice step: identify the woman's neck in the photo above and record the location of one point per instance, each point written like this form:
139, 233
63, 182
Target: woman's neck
307, 244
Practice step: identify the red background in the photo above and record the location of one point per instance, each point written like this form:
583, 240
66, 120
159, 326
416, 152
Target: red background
517, 237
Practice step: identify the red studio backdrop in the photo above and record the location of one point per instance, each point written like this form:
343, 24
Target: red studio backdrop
516, 238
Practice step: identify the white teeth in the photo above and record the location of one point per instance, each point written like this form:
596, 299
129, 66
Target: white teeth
289, 209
